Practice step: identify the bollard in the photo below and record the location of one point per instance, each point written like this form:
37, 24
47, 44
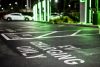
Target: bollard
99, 28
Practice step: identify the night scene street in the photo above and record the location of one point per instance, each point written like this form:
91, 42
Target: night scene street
43, 34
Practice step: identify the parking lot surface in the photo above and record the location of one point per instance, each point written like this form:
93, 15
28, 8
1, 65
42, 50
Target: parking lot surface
36, 44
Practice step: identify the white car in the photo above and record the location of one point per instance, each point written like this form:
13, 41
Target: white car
17, 16
54, 16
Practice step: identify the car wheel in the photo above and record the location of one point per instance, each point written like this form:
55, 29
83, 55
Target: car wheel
9, 19
26, 19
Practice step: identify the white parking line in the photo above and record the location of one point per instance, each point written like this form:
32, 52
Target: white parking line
46, 34
29, 27
10, 30
43, 37
75, 33
5, 36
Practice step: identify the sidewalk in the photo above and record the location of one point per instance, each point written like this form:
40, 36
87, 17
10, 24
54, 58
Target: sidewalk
85, 25
88, 25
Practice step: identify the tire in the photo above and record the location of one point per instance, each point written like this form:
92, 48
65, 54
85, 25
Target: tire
9, 19
26, 19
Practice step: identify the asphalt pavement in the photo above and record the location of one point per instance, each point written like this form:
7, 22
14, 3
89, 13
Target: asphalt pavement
37, 44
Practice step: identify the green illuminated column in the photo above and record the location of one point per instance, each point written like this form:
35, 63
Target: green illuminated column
98, 11
48, 10
95, 12
44, 10
97, 5
85, 11
90, 12
35, 12
39, 8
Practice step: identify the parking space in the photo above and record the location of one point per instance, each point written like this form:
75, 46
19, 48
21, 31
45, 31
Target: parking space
46, 34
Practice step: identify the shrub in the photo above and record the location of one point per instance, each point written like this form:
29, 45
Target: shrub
63, 19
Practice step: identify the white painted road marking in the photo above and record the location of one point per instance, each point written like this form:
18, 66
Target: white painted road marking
5, 36
10, 30
45, 37
75, 33
46, 34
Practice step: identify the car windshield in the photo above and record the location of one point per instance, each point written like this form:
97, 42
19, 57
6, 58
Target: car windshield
55, 14
15, 14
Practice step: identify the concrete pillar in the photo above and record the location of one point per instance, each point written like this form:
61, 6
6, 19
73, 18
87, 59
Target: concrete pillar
35, 14
41, 10
82, 12
86, 13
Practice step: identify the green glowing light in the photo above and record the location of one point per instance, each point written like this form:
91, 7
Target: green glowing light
41, 10
35, 12
85, 11
98, 11
97, 7
44, 4
98, 17
39, 6
90, 13
48, 12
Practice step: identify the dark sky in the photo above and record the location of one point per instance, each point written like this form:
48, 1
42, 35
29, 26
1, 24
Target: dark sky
12, 1
6, 3
21, 3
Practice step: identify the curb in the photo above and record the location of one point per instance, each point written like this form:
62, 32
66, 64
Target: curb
95, 26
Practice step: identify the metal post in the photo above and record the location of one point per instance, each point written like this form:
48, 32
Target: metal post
97, 10
90, 11
99, 28
30, 3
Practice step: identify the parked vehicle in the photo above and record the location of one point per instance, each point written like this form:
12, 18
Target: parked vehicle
17, 16
54, 16
60, 18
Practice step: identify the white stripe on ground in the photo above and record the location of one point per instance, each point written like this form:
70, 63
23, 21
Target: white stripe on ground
31, 32
47, 37
5, 37
75, 33
29, 27
46, 34
10, 30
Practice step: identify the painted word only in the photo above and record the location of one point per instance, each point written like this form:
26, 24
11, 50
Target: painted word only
59, 54
30, 52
